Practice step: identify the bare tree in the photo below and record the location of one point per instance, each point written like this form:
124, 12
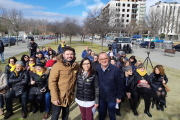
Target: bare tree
83, 32
104, 22
17, 21
154, 22
70, 27
56, 28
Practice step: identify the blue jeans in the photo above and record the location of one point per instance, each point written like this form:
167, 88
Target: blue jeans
115, 51
48, 101
103, 106
2, 56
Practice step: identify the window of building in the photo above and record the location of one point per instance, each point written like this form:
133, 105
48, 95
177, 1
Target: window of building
118, 4
117, 15
123, 4
127, 15
122, 15
122, 20
123, 10
127, 20
128, 10
128, 5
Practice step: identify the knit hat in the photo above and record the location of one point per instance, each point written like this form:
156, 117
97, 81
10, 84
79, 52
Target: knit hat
127, 68
40, 64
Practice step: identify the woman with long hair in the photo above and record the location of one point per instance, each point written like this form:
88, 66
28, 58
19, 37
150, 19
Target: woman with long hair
30, 65
87, 95
158, 78
25, 59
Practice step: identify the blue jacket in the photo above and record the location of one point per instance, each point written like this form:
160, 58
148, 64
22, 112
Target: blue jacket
110, 83
60, 49
84, 53
44, 53
91, 58
114, 45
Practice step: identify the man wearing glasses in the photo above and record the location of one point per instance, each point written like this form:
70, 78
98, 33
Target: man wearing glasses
111, 87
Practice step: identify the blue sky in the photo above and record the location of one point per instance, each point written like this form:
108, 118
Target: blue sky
58, 9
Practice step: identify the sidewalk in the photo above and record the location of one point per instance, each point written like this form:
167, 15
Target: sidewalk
14, 50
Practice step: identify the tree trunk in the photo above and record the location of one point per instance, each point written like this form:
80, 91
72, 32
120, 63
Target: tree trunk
83, 38
9, 40
60, 36
92, 40
17, 37
57, 38
70, 40
102, 44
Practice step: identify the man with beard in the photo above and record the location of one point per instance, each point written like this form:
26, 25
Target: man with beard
19, 79
32, 46
62, 82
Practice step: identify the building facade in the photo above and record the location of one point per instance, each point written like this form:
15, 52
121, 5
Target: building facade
126, 11
169, 14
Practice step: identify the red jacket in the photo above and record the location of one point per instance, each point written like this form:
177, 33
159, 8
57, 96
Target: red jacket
50, 63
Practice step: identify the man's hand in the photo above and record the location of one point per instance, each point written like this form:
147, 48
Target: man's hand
31, 47
143, 81
118, 100
160, 89
96, 105
56, 102
128, 95
32, 82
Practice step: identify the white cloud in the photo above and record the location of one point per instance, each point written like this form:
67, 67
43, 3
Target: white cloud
74, 3
84, 14
9, 4
97, 4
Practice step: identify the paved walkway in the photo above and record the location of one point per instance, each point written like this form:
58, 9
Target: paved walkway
14, 50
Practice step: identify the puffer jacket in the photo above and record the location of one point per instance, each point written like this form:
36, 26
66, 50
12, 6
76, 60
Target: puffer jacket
7, 71
88, 89
40, 82
3, 81
20, 81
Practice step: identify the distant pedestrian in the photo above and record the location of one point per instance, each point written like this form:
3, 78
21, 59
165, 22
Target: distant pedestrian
32, 46
114, 47
84, 52
61, 47
2, 52
111, 53
111, 87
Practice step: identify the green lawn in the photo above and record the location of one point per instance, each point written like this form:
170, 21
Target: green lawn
170, 113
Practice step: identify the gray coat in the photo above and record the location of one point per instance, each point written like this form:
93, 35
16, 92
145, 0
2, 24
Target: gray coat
3, 82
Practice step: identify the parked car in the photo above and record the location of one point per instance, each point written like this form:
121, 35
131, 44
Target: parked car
177, 47
19, 38
29, 37
124, 44
146, 44
138, 42
6, 42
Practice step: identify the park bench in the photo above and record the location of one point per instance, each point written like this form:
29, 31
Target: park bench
169, 51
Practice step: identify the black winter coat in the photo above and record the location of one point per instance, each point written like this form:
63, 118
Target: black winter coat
2, 47
88, 89
95, 64
40, 82
8, 71
138, 77
20, 81
156, 81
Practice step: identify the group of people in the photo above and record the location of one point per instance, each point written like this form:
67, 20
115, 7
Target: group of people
48, 79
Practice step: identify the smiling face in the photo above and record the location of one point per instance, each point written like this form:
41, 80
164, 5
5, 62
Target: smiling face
104, 59
38, 69
95, 58
157, 71
113, 62
142, 69
18, 67
129, 72
68, 55
12, 61
31, 61
86, 65
87, 48
26, 58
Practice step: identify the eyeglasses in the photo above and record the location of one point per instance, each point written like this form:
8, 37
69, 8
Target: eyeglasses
86, 63
11, 61
31, 60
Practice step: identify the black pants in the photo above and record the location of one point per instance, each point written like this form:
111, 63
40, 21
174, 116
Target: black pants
9, 98
135, 97
56, 111
1, 101
35, 99
147, 94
